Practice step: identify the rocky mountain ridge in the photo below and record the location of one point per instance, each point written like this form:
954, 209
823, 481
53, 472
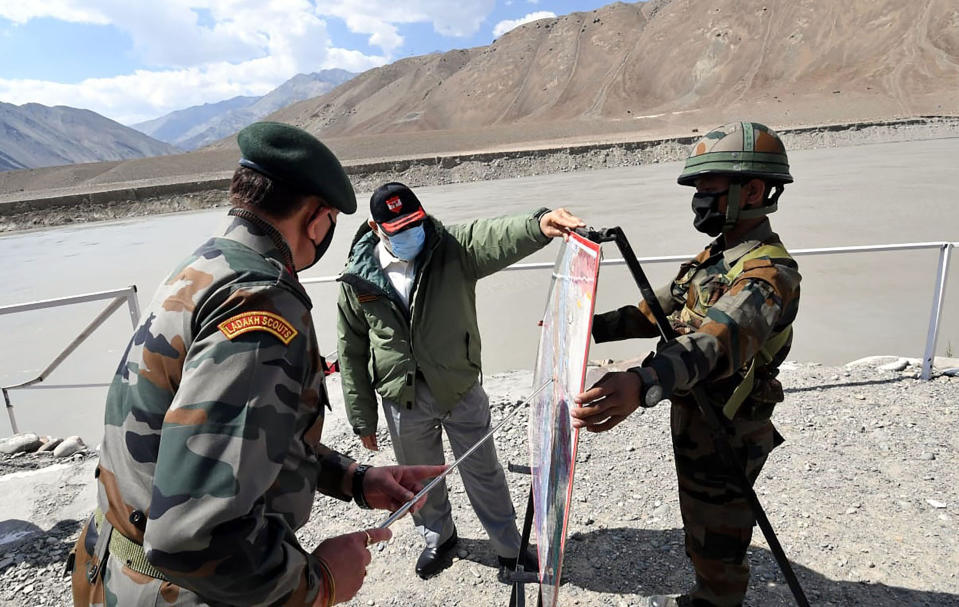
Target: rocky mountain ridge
34, 135
196, 126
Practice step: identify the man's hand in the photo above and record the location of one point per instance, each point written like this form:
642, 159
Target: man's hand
559, 223
616, 395
389, 487
370, 442
347, 557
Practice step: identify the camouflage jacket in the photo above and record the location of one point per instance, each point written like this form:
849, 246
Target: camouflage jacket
722, 324
213, 423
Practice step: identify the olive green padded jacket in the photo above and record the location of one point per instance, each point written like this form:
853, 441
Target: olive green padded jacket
382, 344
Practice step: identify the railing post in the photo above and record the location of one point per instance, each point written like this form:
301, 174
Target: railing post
936, 314
13, 420
133, 303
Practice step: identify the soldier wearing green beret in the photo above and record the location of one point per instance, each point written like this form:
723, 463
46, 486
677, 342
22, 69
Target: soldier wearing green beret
733, 306
212, 449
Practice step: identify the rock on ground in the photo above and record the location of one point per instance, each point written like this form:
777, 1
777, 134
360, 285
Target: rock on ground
20, 443
864, 513
69, 446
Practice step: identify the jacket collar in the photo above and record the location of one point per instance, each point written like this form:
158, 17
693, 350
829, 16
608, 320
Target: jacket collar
250, 230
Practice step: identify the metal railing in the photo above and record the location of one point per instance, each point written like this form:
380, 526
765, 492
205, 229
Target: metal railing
129, 295
938, 296
117, 297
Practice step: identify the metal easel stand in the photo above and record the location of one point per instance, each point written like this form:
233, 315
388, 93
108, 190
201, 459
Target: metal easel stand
721, 442
520, 577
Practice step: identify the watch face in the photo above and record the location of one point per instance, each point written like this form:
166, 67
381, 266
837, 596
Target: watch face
651, 392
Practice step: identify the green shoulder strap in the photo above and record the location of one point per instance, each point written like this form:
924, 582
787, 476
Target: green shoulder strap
776, 251
772, 346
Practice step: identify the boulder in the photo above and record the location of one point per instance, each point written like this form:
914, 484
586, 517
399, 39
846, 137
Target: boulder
873, 361
20, 443
69, 446
50, 445
896, 365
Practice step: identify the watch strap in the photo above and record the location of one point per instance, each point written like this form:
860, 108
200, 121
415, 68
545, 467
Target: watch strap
359, 496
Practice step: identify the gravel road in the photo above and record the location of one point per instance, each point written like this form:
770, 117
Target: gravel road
864, 495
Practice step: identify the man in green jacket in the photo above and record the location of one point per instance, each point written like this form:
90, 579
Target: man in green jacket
408, 331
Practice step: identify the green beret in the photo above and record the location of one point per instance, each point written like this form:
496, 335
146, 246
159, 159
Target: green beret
297, 159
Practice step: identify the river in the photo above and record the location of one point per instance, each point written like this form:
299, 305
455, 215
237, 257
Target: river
852, 306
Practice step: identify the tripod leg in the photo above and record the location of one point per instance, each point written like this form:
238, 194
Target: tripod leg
517, 596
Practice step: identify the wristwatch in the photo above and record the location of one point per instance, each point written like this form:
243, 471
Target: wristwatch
358, 495
651, 391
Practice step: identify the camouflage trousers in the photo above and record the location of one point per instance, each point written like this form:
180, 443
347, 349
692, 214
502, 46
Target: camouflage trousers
120, 586
717, 520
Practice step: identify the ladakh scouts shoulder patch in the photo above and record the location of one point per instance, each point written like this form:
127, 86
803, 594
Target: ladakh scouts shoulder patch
258, 321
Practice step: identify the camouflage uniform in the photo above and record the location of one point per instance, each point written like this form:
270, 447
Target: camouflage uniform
722, 326
211, 452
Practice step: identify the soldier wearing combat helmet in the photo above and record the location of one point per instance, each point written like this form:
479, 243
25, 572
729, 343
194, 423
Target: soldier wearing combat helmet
211, 452
733, 306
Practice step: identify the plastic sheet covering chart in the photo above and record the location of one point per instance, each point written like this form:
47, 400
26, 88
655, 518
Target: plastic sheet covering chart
563, 350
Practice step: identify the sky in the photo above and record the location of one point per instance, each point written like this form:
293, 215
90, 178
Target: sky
134, 60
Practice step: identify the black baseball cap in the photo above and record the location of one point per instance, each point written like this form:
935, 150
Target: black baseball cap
395, 208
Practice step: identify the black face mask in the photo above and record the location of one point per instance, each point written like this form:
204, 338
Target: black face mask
708, 220
323, 245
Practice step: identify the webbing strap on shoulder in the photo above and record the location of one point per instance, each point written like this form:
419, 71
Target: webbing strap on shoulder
769, 350
775, 342
775, 251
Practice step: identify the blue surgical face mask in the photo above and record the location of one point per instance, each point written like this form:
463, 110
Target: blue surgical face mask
406, 245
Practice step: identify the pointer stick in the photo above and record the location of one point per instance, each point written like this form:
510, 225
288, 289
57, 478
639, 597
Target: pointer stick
406, 507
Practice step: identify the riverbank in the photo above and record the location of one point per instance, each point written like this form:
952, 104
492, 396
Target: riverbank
864, 496
26, 209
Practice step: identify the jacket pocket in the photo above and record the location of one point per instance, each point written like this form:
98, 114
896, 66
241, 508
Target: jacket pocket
473, 351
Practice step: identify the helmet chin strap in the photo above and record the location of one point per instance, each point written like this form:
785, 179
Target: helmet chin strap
734, 213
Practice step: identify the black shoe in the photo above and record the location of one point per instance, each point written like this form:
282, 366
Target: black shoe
528, 560
434, 560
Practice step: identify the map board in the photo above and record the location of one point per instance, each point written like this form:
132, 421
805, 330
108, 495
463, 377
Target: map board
563, 350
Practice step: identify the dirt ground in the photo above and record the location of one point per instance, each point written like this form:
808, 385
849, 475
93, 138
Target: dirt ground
864, 496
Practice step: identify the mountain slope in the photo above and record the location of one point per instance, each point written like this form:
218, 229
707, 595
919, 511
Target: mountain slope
172, 127
199, 125
782, 61
34, 135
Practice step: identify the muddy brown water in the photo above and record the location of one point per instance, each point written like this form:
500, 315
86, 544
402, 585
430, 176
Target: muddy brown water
853, 305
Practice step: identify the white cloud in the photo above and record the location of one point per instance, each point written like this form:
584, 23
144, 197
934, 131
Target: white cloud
146, 94
504, 26
378, 18
197, 51
245, 48
20, 11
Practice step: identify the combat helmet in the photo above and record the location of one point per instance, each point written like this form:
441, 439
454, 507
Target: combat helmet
741, 151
